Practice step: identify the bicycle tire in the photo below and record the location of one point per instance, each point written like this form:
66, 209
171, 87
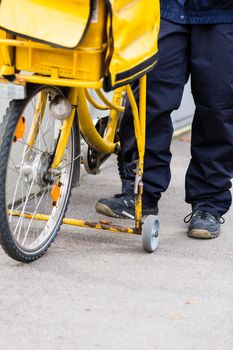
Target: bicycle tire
7, 129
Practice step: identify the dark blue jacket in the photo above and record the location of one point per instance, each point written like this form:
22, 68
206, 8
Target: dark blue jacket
197, 11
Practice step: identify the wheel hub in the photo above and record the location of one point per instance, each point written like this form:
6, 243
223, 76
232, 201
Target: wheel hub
36, 167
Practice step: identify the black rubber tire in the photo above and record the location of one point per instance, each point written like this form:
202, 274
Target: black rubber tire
7, 128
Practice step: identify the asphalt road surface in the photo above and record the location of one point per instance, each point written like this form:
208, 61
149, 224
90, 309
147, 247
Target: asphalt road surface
100, 290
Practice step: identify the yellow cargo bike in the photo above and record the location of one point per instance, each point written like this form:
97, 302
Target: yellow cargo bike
53, 54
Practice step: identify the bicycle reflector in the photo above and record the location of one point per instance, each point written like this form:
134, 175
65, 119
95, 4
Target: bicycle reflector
60, 108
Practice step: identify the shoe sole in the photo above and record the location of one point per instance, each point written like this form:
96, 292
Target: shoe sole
202, 234
105, 210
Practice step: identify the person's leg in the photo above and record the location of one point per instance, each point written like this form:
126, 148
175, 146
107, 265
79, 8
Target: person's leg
165, 84
208, 178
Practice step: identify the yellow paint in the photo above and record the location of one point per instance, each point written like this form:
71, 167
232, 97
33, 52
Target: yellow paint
110, 133
142, 115
75, 83
38, 117
88, 129
81, 67
108, 103
99, 48
79, 223
94, 103
135, 113
65, 131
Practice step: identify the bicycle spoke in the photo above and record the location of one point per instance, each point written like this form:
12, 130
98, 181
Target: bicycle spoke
33, 196
30, 177
35, 211
16, 188
20, 221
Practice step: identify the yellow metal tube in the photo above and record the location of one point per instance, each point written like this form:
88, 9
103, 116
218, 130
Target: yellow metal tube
135, 116
65, 131
94, 103
6, 56
107, 102
110, 133
88, 129
142, 116
138, 136
139, 118
138, 206
141, 148
37, 120
25, 43
36, 45
39, 79
102, 225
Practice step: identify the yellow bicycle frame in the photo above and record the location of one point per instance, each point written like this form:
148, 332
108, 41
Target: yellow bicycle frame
77, 98
105, 56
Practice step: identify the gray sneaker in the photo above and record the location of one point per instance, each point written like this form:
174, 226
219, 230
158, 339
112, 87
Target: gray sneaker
203, 224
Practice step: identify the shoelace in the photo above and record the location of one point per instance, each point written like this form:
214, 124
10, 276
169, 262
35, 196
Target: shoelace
203, 215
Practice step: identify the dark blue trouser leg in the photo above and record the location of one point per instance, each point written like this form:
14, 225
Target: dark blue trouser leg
211, 167
165, 86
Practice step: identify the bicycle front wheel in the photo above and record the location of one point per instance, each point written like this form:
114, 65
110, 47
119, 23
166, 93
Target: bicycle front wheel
33, 197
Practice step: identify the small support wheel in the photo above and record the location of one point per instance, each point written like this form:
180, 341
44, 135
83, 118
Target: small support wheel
150, 233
